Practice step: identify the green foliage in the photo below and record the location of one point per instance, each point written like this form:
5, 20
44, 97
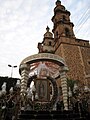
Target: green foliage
70, 83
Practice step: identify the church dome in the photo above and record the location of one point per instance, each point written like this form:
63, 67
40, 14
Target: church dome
48, 34
59, 7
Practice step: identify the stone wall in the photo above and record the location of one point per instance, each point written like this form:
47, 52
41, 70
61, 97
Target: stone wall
77, 58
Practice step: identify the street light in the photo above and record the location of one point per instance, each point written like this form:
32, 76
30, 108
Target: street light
12, 68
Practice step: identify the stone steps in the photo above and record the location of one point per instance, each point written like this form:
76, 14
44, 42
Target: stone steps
52, 115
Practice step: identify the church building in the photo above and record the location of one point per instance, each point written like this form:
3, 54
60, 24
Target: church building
62, 58
75, 51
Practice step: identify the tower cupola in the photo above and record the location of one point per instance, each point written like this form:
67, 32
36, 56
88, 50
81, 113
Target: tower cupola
48, 34
62, 24
48, 41
58, 2
59, 6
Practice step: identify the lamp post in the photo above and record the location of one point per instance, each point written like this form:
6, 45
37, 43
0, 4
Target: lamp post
12, 68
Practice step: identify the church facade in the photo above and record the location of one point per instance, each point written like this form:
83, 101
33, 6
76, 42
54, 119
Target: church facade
75, 52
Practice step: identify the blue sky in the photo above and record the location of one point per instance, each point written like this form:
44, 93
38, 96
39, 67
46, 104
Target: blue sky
23, 23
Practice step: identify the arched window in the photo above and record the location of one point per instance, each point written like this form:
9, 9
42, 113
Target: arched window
50, 43
64, 17
56, 34
67, 32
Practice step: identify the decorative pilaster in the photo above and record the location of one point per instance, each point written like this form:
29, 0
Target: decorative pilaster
24, 78
64, 87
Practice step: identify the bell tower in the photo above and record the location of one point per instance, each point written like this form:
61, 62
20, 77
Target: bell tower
61, 20
73, 50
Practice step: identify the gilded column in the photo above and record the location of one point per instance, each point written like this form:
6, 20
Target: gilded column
24, 78
64, 87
